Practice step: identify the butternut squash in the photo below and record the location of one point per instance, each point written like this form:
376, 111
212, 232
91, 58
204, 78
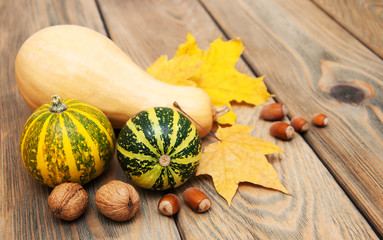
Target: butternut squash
75, 62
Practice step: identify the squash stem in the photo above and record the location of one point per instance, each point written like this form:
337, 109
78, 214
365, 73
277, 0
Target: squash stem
220, 111
164, 160
175, 104
57, 105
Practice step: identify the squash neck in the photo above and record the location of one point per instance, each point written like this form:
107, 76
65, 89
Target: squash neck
164, 160
57, 105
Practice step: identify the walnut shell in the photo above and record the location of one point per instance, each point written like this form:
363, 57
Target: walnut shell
68, 201
117, 200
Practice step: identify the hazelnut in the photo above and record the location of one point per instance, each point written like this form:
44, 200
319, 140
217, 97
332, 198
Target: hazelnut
117, 200
273, 111
282, 130
68, 201
299, 124
169, 205
320, 120
197, 200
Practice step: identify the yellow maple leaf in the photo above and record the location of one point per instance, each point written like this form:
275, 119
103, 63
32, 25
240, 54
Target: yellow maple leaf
177, 71
217, 74
239, 157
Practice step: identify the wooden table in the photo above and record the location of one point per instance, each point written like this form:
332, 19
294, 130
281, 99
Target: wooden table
317, 56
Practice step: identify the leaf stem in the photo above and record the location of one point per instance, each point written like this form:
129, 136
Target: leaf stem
176, 105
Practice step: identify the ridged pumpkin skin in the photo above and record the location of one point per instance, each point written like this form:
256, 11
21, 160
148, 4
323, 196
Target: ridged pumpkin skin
75, 145
159, 148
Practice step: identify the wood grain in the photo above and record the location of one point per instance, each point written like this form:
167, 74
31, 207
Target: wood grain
139, 27
302, 50
23, 201
362, 18
317, 207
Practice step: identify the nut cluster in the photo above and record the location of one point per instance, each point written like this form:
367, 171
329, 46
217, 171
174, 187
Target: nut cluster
285, 131
116, 200
195, 198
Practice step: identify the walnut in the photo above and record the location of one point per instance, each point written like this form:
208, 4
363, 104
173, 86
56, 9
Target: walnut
117, 200
68, 201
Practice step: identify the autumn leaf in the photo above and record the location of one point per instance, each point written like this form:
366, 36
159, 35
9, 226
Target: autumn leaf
176, 71
239, 157
217, 74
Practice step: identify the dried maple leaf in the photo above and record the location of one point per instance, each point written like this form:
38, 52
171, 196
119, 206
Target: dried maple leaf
176, 71
217, 74
239, 157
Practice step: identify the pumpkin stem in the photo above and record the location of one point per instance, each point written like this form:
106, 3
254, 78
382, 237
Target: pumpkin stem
220, 111
164, 160
57, 105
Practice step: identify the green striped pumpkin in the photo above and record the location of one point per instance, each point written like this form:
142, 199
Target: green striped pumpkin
159, 148
66, 141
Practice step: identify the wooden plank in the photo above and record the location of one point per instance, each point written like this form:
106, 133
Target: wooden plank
313, 65
362, 18
23, 202
317, 207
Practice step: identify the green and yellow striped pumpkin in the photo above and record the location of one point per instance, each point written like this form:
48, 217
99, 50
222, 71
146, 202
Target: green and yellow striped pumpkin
159, 148
66, 141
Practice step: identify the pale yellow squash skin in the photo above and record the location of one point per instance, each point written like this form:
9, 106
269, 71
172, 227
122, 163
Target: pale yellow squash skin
79, 63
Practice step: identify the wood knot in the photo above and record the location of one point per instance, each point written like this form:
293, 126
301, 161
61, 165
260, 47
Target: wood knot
342, 83
347, 94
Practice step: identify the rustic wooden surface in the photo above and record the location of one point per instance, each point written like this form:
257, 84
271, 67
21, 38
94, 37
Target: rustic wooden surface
319, 57
333, 174
362, 18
